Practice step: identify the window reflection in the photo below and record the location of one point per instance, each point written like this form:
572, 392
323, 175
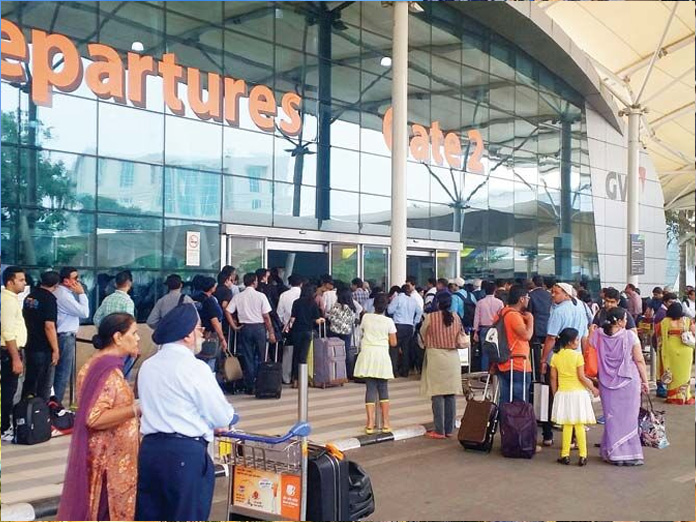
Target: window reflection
127, 187
10, 174
175, 244
129, 241
143, 140
376, 266
191, 194
375, 174
69, 125
247, 200
193, 144
345, 169
244, 151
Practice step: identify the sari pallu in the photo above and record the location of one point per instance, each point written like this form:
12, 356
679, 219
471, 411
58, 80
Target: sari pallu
619, 388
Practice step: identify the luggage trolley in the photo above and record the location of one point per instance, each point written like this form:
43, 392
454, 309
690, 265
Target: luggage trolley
267, 474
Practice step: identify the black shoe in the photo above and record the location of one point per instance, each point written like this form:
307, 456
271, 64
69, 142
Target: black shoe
564, 460
582, 462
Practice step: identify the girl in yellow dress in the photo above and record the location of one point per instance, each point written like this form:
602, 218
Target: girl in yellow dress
572, 407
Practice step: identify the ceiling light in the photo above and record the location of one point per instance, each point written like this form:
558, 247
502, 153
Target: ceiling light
415, 7
137, 47
385, 61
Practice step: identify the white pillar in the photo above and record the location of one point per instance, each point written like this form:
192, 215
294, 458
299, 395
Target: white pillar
633, 186
399, 141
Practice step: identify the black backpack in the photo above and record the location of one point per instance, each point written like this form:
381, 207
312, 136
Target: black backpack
31, 421
62, 419
469, 309
496, 342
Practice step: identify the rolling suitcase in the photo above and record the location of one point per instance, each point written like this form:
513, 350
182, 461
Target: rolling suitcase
518, 427
269, 380
479, 423
328, 485
361, 497
329, 361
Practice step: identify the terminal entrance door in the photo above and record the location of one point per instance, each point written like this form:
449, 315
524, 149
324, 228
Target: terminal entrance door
421, 265
307, 259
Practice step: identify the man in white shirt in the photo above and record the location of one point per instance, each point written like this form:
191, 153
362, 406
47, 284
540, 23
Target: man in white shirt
253, 309
73, 305
430, 291
329, 296
288, 297
689, 304
181, 406
411, 283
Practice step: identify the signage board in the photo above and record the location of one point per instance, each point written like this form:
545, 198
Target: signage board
637, 254
193, 249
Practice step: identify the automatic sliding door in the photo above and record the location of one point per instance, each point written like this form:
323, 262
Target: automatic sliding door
246, 254
344, 262
376, 266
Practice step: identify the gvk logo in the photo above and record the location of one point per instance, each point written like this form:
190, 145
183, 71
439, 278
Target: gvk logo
616, 185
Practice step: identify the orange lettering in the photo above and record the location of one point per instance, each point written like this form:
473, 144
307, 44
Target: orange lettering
420, 147
453, 150
474, 164
387, 127
171, 74
45, 48
213, 107
111, 70
262, 107
14, 47
291, 103
138, 67
436, 137
233, 90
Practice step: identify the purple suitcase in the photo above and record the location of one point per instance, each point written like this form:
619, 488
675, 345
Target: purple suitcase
518, 427
329, 361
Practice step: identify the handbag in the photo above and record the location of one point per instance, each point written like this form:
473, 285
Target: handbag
687, 337
210, 348
591, 363
232, 369
463, 340
651, 426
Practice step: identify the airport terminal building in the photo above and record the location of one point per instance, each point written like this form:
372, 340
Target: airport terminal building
182, 136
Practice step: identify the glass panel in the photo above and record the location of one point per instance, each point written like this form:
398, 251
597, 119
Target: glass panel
344, 206
546, 262
175, 244
132, 134
255, 18
147, 288
208, 11
420, 267
255, 63
129, 241
247, 200
294, 28
501, 227
9, 183
375, 174
418, 214
474, 262
70, 125
500, 261
65, 181
525, 263
475, 226
345, 132
295, 163
501, 195
475, 193
10, 104
193, 144
248, 153
525, 200
345, 169
376, 266
446, 264
344, 262
294, 200
445, 217
245, 253
375, 210
444, 184
133, 188
193, 194
8, 236
54, 237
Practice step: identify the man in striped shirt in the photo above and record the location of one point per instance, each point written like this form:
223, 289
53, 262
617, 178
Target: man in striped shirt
119, 301
359, 293
487, 310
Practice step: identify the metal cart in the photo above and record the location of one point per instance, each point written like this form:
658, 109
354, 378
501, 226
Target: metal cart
267, 475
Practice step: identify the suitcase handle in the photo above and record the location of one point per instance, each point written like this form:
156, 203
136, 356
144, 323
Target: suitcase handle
524, 376
322, 331
268, 345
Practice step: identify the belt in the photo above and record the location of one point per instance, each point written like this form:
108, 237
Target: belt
159, 435
68, 333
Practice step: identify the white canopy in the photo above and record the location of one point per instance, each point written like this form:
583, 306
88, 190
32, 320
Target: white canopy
644, 53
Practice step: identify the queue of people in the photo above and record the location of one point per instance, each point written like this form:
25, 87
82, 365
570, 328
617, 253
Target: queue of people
146, 458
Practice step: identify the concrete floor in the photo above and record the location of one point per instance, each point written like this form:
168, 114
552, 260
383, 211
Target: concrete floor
423, 479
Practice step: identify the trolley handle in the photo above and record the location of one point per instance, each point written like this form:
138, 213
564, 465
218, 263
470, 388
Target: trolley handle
301, 429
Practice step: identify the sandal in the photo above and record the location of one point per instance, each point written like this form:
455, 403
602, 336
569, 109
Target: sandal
435, 435
386, 429
369, 431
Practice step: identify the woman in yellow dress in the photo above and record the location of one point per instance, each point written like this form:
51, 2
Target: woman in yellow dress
102, 472
677, 357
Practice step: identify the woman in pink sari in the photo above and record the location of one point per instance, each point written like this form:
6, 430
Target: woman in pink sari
622, 377
101, 476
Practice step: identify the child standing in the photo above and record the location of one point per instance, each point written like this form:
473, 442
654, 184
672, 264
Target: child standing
572, 406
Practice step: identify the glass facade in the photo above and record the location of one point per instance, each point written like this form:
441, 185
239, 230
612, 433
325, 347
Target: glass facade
501, 165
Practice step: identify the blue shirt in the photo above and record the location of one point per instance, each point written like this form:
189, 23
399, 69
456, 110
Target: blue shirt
567, 315
404, 310
179, 394
457, 306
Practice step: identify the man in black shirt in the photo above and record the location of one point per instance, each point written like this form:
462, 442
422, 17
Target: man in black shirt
40, 315
611, 300
539, 306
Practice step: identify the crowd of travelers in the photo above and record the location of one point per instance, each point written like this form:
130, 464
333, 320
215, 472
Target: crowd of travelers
145, 458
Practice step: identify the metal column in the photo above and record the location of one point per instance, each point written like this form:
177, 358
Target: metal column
399, 141
633, 192
563, 245
323, 210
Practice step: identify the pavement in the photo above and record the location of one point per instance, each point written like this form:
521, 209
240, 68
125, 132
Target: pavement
36, 472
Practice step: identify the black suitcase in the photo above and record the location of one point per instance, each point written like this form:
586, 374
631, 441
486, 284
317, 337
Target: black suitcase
479, 423
269, 380
328, 486
31, 421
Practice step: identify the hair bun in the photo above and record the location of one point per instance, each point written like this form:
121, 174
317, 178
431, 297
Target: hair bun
97, 342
